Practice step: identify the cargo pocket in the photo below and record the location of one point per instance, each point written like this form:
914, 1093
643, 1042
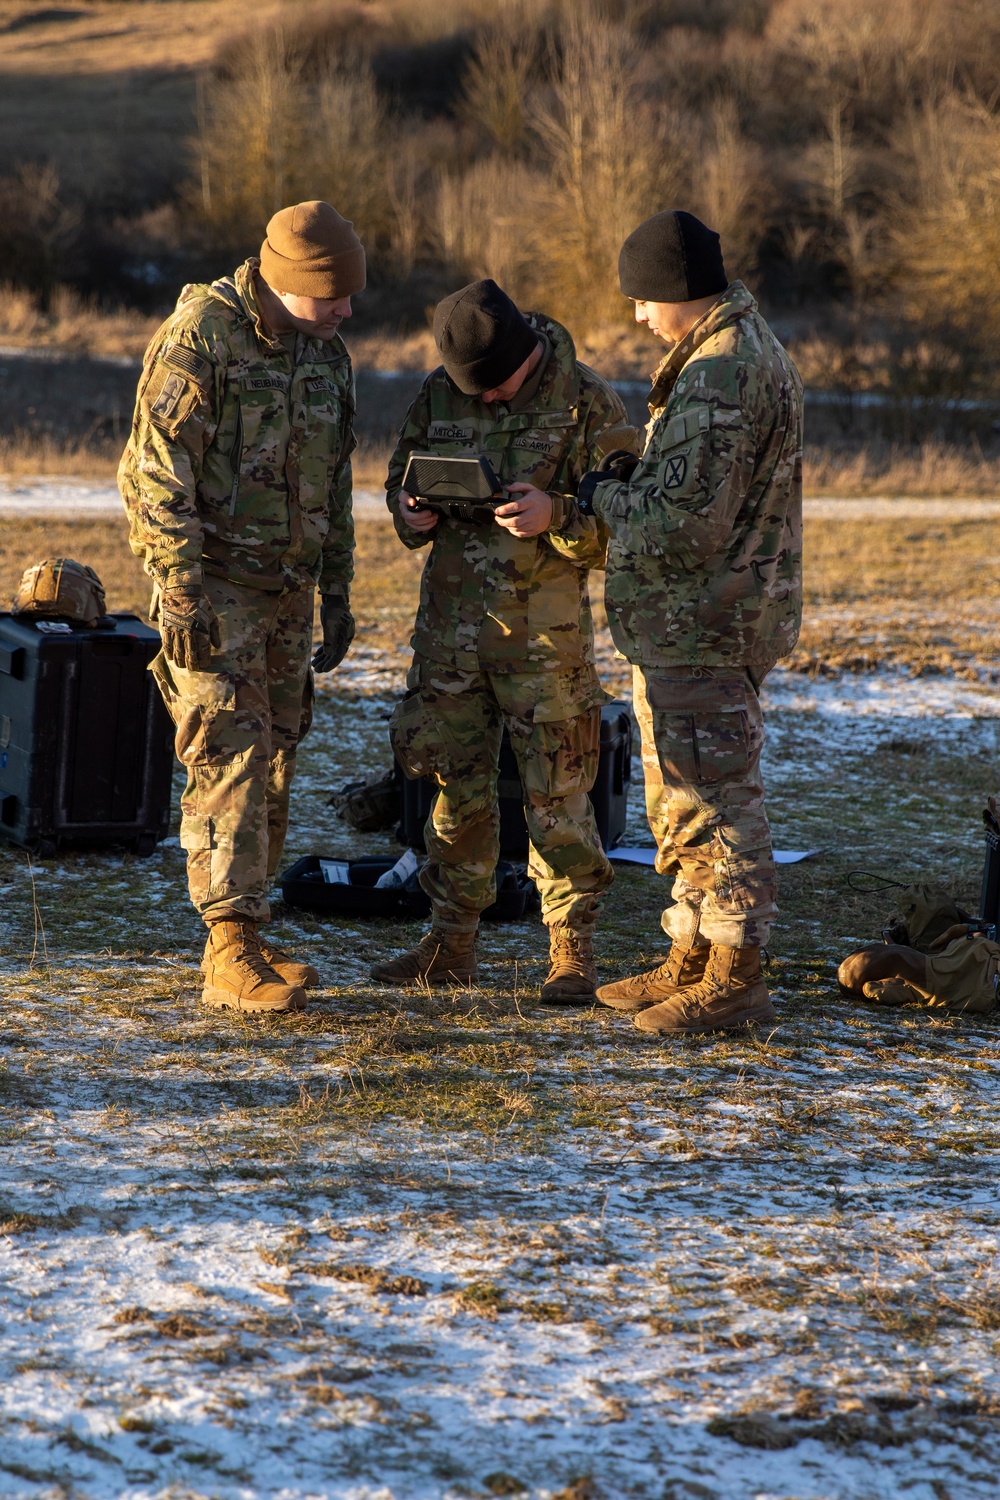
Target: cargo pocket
422, 744
202, 706
308, 702
702, 728
744, 864
220, 863
560, 760
721, 747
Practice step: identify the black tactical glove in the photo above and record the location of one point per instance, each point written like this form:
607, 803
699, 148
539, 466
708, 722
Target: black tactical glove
188, 627
618, 465
338, 632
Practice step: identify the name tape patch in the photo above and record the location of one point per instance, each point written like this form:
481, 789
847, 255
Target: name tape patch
264, 382
451, 432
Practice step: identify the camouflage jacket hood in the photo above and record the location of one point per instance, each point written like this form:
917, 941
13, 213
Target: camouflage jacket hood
488, 598
238, 463
705, 548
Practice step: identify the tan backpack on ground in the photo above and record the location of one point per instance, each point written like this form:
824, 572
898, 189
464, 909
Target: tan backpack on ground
61, 589
925, 914
962, 978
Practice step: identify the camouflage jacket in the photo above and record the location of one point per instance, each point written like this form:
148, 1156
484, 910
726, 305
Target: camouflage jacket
486, 597
705, 549
239, 459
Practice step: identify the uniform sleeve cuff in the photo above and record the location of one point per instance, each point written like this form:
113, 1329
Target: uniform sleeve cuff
560, 512
188, 575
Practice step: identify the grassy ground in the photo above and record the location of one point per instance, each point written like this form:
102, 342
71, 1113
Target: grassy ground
455, 1245
917, 595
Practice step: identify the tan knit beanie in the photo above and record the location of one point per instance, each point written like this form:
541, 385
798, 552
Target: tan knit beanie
311, 251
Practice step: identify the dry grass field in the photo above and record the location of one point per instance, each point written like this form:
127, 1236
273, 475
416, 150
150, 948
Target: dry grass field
449, 1246
453, 1245
918, 596
106, 90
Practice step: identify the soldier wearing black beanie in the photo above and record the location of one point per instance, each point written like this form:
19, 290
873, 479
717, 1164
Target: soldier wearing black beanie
483, 337
672, 257
703, 591
504, 635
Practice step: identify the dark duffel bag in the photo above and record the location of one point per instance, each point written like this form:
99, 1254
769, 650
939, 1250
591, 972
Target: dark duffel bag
303, 885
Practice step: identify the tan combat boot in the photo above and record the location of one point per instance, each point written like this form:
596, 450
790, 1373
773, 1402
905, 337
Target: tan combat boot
683, 967
441, 957
238, 976
731, 993
290, 969
572, 975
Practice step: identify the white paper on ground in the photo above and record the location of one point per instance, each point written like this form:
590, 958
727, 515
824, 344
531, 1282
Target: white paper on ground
400, 873
635, 856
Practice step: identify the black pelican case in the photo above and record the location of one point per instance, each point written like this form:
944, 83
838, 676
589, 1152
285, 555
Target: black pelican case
86, 745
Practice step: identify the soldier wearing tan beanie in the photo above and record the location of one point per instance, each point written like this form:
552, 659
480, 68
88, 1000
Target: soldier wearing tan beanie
237, 482
311, 251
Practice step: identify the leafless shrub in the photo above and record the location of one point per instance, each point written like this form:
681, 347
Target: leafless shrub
269, 137
948, 239
36, 227
610, 158
731, 189
497, 77
486, 223
68, 321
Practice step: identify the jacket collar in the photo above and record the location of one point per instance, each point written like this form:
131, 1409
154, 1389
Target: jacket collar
733, 304
559, 382
244, 283
240, 292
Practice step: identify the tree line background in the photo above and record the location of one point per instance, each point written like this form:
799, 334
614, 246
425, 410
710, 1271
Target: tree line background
848, 152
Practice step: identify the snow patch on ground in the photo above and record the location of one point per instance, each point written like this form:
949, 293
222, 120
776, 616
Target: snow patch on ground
771, 1273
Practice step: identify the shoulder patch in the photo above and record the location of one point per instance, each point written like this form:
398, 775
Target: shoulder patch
189, 362
170, 398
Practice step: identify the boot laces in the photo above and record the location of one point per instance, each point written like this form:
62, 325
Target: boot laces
567, 943
269, 954
250, 956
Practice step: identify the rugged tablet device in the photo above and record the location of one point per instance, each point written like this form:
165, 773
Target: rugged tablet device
455, 486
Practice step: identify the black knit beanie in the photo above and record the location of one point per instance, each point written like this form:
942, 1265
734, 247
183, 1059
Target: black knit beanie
672, 257
482, 336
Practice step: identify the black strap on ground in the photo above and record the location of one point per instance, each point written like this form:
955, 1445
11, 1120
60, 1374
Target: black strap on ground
875, 881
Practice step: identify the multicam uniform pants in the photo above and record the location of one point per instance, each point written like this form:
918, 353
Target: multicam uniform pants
702, 734
450, 725
238, 727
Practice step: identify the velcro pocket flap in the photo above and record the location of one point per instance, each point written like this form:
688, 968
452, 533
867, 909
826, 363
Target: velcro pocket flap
170, 398
520, 421
685, 426
698, 695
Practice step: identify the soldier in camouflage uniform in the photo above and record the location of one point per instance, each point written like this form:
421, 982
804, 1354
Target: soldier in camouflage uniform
237, 485
703, 596
503, 634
